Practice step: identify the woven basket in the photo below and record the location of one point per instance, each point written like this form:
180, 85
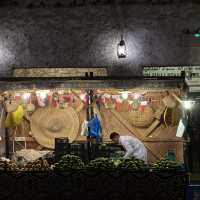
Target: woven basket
141, 119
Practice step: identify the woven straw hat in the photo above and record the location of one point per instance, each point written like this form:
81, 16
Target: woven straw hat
169, 101
11, 105
141, 119
50, 123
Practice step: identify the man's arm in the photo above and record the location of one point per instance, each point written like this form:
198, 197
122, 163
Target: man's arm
129, 149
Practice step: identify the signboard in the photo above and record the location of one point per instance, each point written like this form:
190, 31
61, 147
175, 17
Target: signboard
192, 71
58, 71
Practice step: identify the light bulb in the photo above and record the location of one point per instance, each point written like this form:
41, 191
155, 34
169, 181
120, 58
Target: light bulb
187, 104
136, 96
26, 96
125, 95
82, 97
144, 103
42, 93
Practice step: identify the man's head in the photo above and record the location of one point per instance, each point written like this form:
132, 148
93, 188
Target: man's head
115, 137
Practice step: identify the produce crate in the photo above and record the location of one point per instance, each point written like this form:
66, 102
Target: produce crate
79, 149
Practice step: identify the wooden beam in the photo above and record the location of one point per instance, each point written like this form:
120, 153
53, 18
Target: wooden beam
22, 139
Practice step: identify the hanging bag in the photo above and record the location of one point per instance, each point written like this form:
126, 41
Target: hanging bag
11, 105
30, 107
14, 118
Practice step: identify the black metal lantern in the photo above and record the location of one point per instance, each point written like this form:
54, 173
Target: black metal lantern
121, 49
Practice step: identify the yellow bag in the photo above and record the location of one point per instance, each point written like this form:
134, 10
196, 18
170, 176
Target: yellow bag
14, 118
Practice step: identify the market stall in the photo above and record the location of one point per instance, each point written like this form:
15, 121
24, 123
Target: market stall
37, 111
40, 115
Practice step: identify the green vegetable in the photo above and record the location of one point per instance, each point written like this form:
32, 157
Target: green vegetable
132, 164
101, 163
166, 164
69, 162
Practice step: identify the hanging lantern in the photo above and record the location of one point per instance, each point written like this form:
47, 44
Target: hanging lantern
121, 49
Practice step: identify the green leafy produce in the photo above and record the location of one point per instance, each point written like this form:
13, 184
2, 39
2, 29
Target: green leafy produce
101, 163
103, 146
165, 164
131, 164
118, 155
69, 162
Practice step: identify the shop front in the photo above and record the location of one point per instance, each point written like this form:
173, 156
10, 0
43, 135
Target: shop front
55, 137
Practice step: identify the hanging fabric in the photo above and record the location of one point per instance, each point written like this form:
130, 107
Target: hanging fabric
84, 128
97, 112
41, 101
94, 126
55, 100
30, 107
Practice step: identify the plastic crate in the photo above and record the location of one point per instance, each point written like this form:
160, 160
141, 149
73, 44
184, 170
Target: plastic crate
79, 149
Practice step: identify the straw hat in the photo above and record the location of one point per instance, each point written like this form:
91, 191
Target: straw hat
11, 105
169, 101
50, 123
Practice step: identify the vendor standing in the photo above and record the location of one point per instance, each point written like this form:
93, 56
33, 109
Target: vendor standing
132, 146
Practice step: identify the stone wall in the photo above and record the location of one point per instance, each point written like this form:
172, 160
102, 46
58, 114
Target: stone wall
87, 36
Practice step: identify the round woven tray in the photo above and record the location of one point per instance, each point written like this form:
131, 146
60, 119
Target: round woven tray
141, 119
50, 123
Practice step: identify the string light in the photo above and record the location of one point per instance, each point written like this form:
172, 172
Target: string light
125, 94
42, 93
26, 96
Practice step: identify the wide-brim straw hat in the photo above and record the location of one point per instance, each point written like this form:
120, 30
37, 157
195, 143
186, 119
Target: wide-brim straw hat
169, 101
50, 123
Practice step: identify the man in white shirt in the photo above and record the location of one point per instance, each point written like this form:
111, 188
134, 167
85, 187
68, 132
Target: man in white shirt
132, 146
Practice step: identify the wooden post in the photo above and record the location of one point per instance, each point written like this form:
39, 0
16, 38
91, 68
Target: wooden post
89, 117
7, 150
